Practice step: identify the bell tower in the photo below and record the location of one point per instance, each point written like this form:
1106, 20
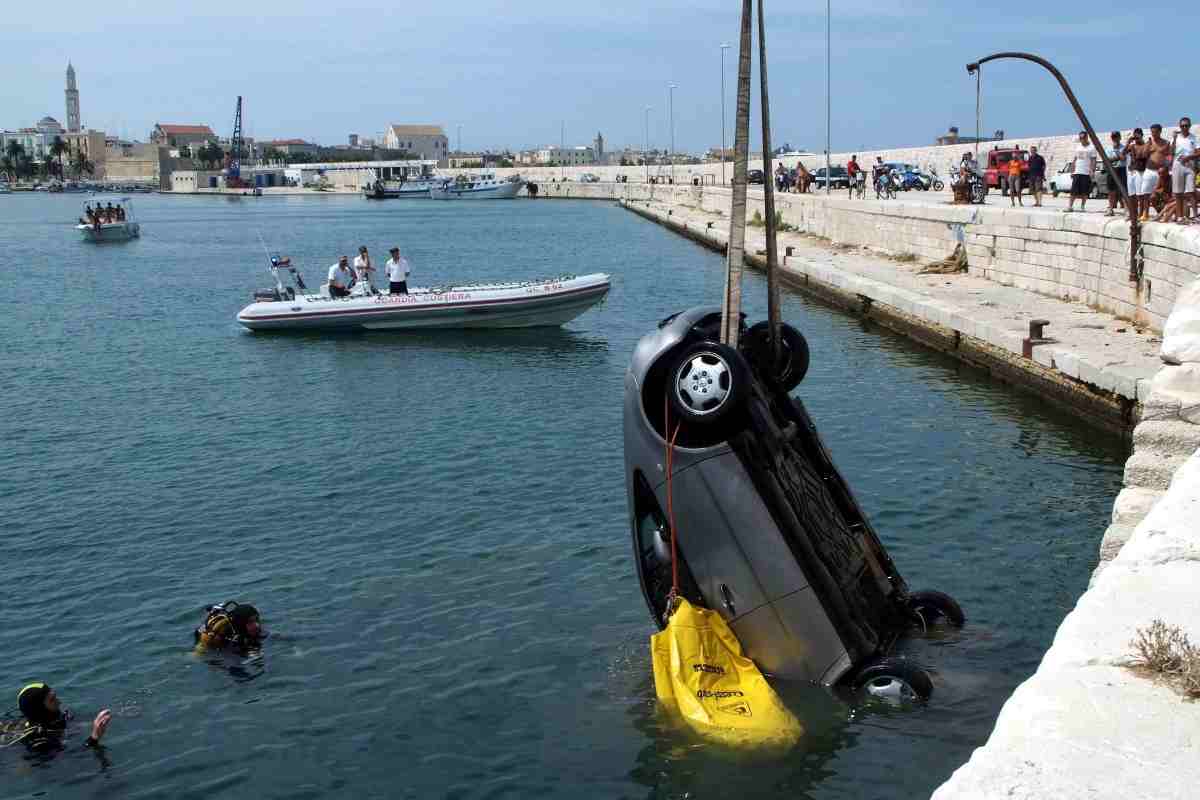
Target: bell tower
72, 101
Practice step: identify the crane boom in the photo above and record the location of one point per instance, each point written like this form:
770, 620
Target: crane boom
233, 169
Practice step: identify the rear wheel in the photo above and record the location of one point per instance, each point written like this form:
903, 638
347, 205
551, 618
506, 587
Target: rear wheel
785, 373
894, 680
929, 606
707, 383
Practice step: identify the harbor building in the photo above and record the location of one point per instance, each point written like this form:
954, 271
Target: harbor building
72, 101
426, 142
176, 136
289, 147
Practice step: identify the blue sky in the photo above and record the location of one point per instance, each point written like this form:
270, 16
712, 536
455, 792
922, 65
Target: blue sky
510, 73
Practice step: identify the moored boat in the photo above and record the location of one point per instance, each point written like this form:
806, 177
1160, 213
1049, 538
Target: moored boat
103, 228
524, 304
478, 187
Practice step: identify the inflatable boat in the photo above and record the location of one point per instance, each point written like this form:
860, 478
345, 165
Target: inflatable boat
525, 304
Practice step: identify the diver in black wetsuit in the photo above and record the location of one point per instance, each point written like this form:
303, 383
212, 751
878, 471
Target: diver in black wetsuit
46, 720
233, 626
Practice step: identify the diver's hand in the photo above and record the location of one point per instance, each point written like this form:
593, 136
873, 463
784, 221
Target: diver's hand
100, 724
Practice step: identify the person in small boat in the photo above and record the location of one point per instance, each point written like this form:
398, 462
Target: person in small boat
46, 721
341, 278
110, 213
120, 213
397, 270
231, 626
364, 269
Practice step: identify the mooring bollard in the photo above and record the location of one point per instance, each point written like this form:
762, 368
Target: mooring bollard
1036, 331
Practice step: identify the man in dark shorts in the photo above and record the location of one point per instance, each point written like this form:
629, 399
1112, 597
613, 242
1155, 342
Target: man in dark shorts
1081, 173
1116, 155
1037, 174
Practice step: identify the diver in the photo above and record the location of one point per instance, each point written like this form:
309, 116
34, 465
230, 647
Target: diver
45, 723
232, 626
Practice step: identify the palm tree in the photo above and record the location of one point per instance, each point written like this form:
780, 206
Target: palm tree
57, 148
80, 164
15, 151
8, 168
731, 307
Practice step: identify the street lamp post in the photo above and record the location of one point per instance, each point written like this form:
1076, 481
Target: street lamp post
562, 150
724, 47
459, 146
646, 143
828, 101
671, 103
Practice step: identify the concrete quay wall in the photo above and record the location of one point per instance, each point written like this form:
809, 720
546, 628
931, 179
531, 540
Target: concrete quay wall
1080, 257
1056, 149
1085, 724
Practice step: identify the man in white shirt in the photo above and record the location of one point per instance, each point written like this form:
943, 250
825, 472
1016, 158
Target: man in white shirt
341, 278
1081, 172
364, 270
397, 270
1183, 171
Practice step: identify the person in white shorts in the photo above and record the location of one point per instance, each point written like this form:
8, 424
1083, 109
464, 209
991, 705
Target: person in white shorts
1183, 170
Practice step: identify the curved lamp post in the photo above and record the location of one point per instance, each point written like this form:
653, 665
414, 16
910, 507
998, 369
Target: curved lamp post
1135, 228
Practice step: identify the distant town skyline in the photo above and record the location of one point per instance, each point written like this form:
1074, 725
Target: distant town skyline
516, 77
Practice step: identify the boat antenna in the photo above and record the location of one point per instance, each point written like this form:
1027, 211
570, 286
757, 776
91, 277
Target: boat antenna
731, 307
271, 265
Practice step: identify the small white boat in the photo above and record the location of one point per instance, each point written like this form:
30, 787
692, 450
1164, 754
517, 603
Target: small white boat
478, 187
525, 304
116, 231
411, 189
5, 188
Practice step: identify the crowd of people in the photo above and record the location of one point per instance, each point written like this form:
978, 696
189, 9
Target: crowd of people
343, 275
102, 215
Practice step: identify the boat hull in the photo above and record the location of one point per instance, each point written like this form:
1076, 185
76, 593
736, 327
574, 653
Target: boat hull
504, 191
112, 232
541, 304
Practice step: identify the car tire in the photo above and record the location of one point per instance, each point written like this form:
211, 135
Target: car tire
1053, 192
928, 606
707, 382
893, 679
784, 376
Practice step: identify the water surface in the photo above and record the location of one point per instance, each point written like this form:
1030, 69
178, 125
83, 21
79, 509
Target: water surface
434, 524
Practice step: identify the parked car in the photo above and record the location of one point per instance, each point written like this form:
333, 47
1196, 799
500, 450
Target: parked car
755, 176
589, 177
839, 178
995, 175
1061, 182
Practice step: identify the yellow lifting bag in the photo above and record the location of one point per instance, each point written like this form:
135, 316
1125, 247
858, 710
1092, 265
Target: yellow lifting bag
700, 673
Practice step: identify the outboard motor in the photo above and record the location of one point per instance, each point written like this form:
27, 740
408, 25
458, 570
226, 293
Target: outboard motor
768, 534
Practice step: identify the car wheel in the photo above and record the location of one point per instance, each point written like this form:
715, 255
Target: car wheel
1053, 191
793, 362
707, 382
895, 680
928, 606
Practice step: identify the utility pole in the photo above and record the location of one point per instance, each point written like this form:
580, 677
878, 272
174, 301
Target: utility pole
671, 102
459, 146
724, 47
562, 150
646, 144
773, 318
828, 99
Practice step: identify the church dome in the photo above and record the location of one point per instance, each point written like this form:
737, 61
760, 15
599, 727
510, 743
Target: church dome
49, 125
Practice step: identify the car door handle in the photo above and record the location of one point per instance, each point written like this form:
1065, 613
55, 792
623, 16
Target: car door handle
727, 600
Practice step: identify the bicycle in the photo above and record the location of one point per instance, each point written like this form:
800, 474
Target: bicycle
884, 189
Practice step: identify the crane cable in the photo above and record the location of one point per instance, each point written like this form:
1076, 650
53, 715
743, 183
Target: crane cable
670, 505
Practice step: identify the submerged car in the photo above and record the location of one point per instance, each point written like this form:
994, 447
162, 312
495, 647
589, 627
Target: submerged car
769, 534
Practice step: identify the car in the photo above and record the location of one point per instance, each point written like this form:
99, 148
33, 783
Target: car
767, 533
589, 177
755, 176
1061, 182
839, 178
995, 175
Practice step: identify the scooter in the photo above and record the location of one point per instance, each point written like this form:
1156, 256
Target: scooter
766, 530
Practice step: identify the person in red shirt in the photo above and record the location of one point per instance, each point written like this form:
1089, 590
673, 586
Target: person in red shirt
852, 172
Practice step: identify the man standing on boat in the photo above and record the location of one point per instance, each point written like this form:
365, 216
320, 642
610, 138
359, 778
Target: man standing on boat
341, 278
397, 269
364, 270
